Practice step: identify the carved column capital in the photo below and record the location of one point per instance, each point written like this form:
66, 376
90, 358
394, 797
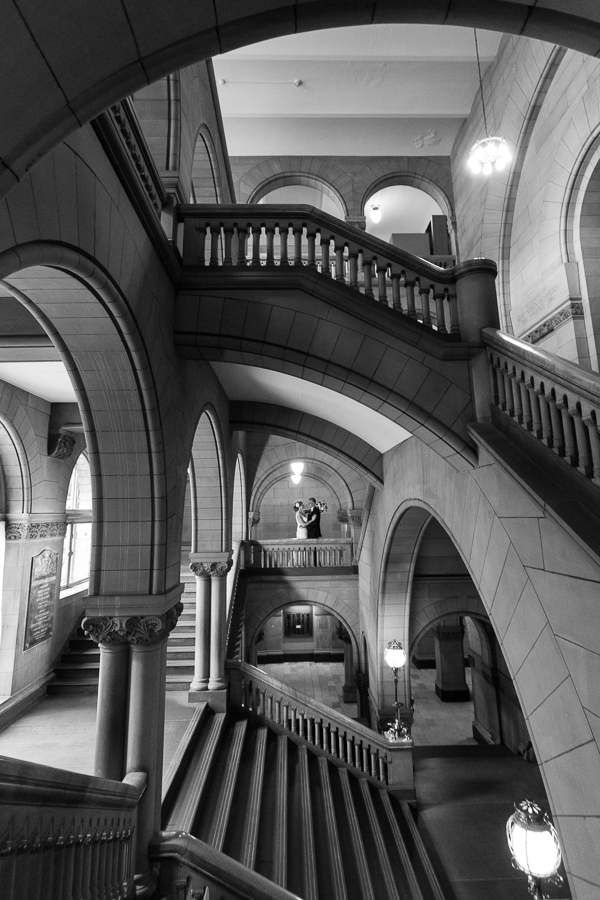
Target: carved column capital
60, 446
151, 629
211, 569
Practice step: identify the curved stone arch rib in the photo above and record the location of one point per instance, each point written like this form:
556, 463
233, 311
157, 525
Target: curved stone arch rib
416, 180
15, 471
512, 187
285, 179
128, 342
282, 471
311, 430
449, 606
582, 172
204, 140
92, 90
334, 605
211, 518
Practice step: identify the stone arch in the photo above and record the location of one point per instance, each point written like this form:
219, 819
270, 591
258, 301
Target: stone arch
106, 358
279, 472
416, 180
239, 515
206, 179
451, 606
286, 179
263, 610
152, 43
16, 488
210, 530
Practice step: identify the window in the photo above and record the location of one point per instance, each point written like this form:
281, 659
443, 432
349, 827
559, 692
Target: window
78, 539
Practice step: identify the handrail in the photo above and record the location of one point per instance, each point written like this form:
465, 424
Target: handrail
235, 237
387, 761
294, 553
188, 861
66, 834
554, 400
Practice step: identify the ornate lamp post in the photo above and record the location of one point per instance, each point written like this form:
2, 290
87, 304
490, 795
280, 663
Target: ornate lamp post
534, 846
395, 657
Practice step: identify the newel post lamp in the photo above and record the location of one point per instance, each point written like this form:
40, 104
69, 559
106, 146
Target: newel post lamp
534, 846
395, 657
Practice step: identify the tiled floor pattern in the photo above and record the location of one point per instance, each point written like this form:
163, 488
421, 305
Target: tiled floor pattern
60, 731
323, 681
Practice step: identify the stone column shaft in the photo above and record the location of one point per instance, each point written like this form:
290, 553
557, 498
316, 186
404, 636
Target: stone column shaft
202, 634
450, 681
111, 721
218, 621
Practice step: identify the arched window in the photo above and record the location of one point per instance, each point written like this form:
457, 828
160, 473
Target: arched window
78, 539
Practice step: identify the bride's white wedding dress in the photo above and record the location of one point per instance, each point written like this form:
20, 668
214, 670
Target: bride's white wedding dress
301, 530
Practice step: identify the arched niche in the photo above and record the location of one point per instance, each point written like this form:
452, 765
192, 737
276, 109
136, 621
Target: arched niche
296, 188
208, 487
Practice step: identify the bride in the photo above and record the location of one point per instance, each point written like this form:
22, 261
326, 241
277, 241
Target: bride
301, 520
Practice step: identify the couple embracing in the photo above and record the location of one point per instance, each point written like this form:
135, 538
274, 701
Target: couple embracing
308, 520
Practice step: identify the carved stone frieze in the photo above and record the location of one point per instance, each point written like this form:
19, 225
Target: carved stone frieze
33, 531
211, 569
573, 309
119, 114
60, 446
133, 629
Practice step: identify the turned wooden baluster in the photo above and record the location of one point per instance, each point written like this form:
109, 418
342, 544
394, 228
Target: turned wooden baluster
311, 237
568, 432
536, 416
293, 716
527, 416
365, 759
242, 237
454, 319
325, 247
353, 270
411, 309
297, 229
215, 236
592, 427
270, 707
516, 397
256, 236
278, 710
547, 436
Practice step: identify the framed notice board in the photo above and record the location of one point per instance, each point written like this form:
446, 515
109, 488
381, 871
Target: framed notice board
43, 590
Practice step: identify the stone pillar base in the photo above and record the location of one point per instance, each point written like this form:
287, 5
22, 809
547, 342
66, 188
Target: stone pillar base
449, 695
217, 700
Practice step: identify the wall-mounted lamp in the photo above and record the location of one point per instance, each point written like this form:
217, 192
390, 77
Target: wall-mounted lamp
534, 846
375, 213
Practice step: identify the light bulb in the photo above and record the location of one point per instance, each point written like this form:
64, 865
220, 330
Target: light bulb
375, 215
487, 168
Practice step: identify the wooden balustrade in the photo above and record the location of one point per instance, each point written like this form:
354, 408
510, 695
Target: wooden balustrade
555, 401
387, 761
298, 554
49, 849
241, 237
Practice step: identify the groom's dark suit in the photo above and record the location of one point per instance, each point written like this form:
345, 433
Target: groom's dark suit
314, 528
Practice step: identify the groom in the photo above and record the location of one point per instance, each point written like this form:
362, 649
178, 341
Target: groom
314, 520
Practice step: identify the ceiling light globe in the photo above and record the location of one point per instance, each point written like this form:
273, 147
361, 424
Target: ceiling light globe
297, 468
296, 479
533, 841
375, 214
395, 655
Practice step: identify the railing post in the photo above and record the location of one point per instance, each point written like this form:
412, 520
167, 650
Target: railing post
476, 295
283, 245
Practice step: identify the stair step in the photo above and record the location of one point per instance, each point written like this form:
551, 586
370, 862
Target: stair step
309, 888
231, 761
280, 825
329, 861
242, 836
359, 882
185, 808
374, 843
404, 872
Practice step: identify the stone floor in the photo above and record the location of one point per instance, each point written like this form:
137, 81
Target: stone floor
323, 681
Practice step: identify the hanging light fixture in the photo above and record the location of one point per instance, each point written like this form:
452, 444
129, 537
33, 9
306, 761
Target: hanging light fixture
534, 846
297, 468
375, 213
492, 151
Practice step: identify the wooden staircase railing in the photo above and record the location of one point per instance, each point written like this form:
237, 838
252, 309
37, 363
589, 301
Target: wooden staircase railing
279, 238
298, 554
388, 762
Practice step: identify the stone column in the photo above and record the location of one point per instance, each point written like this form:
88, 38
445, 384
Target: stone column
202, 632
147, 636
111, 716
450, 682
218, 631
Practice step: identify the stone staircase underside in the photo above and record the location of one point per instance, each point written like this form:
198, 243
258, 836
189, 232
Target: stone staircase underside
292, 814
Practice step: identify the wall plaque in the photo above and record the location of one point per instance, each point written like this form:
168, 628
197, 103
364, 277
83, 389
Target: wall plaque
43, 589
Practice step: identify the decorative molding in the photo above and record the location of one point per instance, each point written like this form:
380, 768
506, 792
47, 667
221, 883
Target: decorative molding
150, 629
572, 310
60, 446
33, 531
124, 116
211, 569
428, 139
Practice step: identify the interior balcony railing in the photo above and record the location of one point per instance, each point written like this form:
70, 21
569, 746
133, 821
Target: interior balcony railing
555, 401
387, 761
270, 555
66, 835
277, 238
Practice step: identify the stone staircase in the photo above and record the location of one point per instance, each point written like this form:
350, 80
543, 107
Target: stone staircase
292, 814
79, 666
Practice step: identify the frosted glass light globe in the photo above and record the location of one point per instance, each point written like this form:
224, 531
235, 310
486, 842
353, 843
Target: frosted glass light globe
395, 655
297, 469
